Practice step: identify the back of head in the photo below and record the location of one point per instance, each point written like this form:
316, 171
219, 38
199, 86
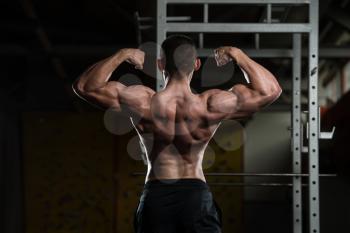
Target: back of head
180, 54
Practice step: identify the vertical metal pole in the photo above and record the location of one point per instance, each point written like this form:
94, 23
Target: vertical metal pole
314, 214
161, 35
257, 40
269, 13
296, 142
205, 20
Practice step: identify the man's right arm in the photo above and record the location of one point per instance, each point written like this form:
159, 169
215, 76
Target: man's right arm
243, 100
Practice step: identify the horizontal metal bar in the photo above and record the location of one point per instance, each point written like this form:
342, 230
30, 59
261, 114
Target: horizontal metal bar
238, 27
266, 174
145, 19
168, 18
178, 18
252, 184
252, 174
264, 53
145, 27
238, 1
336, 52
234, 184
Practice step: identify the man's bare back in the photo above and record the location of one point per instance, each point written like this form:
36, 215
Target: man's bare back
181, 130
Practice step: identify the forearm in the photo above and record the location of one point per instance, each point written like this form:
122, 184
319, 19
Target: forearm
261, 80
98, 75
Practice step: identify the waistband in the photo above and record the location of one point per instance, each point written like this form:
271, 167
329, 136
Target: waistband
187, 182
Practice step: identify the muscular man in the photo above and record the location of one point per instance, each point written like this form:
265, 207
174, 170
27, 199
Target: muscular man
176, 198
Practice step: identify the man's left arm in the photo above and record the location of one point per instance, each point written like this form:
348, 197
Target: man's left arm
94, 85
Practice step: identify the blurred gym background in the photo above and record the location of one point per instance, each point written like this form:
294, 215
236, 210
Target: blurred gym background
63, 170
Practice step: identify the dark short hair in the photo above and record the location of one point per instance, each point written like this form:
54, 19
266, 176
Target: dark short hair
180, 54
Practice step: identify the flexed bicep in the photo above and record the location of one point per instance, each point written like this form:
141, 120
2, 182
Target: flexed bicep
249, 100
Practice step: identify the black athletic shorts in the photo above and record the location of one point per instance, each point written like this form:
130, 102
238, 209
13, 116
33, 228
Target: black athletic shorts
177, 206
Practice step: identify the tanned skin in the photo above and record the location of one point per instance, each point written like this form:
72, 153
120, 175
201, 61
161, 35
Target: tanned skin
181, 122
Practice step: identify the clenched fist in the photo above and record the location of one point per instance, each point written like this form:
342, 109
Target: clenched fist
135, 57
224, 55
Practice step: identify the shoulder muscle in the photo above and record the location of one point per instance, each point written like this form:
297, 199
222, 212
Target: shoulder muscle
220, 104
137, 98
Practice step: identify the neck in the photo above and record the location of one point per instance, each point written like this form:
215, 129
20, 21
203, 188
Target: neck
179, 83
179, 79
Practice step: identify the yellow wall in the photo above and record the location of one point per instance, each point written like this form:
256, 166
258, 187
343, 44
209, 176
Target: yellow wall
68, 167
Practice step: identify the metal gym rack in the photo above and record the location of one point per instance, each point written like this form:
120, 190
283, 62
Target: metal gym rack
313, 132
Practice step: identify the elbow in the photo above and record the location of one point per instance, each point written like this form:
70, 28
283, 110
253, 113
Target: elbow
272, 95
278, 92
275, 94
78, 88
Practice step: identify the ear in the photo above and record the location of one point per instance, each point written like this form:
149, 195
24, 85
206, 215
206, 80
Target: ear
197, 64
160, 64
